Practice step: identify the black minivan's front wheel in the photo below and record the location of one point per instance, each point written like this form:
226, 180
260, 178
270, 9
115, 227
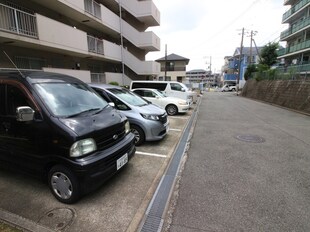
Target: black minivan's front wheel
63, 184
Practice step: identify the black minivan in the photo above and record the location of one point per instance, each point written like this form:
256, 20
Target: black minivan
55, 126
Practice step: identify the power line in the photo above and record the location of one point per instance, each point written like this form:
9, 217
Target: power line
222, 30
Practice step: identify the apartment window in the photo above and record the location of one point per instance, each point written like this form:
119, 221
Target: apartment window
29, 62
170, 66
93, 8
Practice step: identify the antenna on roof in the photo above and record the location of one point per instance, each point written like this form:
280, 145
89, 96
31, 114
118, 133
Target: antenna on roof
13, 63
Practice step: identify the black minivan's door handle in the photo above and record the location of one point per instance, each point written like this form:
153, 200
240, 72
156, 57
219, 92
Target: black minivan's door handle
6, 126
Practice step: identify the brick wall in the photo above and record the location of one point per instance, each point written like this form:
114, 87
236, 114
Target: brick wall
292, 94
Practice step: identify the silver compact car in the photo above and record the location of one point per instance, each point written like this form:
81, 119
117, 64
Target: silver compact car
147, 121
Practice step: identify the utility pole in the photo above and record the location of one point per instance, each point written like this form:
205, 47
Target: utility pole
210, 64
166, 62
240, 61
253, 33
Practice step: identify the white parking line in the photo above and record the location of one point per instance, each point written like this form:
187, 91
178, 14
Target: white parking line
179, 117
175, 130
150, 154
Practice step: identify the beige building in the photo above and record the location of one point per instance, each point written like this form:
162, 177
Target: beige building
98, 41
173, 68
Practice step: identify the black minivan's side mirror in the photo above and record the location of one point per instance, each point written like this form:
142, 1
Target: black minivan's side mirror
112, 104
24, 114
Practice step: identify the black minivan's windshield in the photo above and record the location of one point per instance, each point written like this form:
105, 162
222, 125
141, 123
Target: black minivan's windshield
69, 99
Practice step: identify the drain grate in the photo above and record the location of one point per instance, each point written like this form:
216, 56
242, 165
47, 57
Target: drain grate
250, 138
154, 217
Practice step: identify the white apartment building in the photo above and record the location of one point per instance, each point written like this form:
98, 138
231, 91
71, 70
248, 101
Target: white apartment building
96, 41
296, 55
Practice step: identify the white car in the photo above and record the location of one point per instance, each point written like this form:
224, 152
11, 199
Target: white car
229, 88
172, 105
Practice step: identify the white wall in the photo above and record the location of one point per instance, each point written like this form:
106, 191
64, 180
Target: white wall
58, 35
80, 74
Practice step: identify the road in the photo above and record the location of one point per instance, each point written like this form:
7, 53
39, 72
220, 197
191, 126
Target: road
247, 169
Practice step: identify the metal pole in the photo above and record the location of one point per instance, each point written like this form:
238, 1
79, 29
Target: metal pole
165, 62
122, 41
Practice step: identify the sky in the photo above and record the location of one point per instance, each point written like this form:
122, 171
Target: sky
205, 31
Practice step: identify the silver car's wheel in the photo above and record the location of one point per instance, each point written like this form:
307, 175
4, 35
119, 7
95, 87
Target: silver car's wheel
171, 109
63, 184
139, 134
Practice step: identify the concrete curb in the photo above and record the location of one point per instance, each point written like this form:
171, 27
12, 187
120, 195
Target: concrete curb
22, 223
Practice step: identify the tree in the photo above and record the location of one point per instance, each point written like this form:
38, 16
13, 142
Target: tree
249, 70
268, 55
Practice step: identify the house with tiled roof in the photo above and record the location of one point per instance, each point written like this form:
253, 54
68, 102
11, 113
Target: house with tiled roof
173, 68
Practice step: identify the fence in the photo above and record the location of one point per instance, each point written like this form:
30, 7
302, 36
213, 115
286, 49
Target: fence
298, 72
98, 78
95, 45
17, 21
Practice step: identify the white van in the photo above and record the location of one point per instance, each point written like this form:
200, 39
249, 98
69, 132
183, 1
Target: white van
169, 88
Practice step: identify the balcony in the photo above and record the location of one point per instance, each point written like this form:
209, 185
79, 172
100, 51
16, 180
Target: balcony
98, 77
92, 8
144, 11
294, 9
295, 68
95, 45
18, 22
145, 40
141, 67
230, 77
295, 28
300, 47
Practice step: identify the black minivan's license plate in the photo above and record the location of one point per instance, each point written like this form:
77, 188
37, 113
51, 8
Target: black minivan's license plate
121, 161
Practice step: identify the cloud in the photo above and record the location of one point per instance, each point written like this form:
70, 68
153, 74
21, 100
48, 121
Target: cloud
199, 29
183, 16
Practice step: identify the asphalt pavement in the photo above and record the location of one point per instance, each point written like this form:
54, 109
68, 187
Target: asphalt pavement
247, 169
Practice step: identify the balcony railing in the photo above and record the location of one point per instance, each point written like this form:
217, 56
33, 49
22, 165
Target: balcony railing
173, 69
294, 9
93, 8
230, 77
98, 78
17, 21
295, 28
295, 48
95, 45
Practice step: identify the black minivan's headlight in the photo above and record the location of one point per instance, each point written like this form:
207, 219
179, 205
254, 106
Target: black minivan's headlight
127, 127
83, 147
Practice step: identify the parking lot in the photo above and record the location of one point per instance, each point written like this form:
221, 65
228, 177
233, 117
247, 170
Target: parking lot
118, 205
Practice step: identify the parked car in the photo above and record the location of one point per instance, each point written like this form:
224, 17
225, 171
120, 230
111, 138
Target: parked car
169, 88
172, 105
229, 88
147, 121
54, 126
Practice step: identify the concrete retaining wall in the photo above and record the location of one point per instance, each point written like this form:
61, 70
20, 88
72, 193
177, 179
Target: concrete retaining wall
293, 94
